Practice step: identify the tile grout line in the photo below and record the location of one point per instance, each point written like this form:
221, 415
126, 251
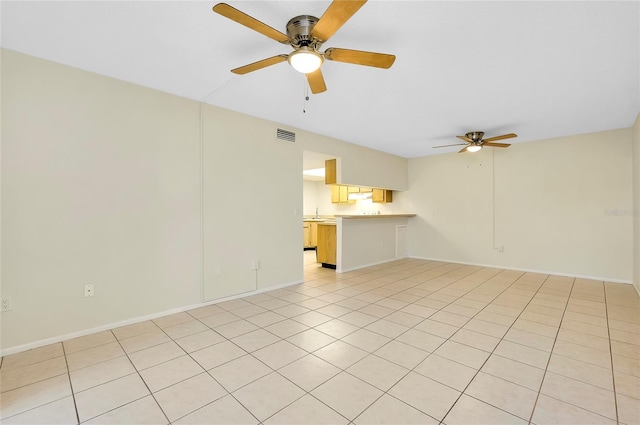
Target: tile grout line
580, 380
139, 376
492, 351
449, 338
73, 395
368, 353
445, 340
613, 374
573, 282
205, 371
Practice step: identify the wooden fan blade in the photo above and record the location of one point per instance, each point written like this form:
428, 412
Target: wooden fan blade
260, 64
446, 146
250, 22
463, 149
465, 138
504, 136
334, 17
316, 82
497, 145
358, 57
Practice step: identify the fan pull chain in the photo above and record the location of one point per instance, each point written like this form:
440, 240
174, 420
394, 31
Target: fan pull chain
306, 96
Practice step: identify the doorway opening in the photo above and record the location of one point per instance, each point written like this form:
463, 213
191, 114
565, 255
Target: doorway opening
316, 208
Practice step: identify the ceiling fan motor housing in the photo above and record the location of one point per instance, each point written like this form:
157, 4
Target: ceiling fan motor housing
299, 31
476, 136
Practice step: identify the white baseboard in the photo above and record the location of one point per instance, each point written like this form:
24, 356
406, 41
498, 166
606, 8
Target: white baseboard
133, 320
605, 279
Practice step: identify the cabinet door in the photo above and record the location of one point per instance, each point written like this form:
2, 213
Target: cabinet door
335, 194
344, 195
306, 235
326, 244
340, 194
314, 234
330, 171
382, 195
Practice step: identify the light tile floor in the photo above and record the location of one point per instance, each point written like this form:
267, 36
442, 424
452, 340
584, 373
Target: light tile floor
407, 342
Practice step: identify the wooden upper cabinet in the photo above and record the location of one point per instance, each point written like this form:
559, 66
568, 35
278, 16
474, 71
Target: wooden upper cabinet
335, 194
330, 171
340, 195
382, 195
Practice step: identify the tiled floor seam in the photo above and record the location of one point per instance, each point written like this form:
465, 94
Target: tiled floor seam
143, 381
345, 371
492, 351
40, 380
219, 383
425, 318
535, 404
549, 360
73, 395
380, 318
613, 374
303, 395
445, 340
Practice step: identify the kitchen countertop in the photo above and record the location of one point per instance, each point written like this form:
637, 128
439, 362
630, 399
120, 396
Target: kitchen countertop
369, 216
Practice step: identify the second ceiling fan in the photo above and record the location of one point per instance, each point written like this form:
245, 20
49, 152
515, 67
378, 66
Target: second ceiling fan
306, 34
474, 141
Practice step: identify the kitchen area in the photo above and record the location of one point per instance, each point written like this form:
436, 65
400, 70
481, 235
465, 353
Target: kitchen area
339, 218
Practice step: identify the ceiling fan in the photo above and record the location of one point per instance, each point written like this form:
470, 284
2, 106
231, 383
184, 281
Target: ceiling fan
474, 141
306, 34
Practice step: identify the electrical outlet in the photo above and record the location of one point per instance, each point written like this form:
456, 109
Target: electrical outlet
89, 290
255, 265
5, 304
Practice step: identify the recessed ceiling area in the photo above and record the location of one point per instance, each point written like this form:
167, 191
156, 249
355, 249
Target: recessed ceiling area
537, 69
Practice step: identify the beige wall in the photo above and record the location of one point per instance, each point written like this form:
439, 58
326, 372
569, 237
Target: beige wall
100, 185
636, 203
252, 205
553, 206
158, 201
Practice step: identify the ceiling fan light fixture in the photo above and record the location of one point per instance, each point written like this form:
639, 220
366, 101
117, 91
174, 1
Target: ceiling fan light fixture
474, 148
305, 60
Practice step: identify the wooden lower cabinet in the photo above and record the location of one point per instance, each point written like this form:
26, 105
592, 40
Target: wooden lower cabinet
314, 234
326, 250
306, 234
310, 234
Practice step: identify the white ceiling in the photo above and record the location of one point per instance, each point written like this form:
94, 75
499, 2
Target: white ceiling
539, 69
